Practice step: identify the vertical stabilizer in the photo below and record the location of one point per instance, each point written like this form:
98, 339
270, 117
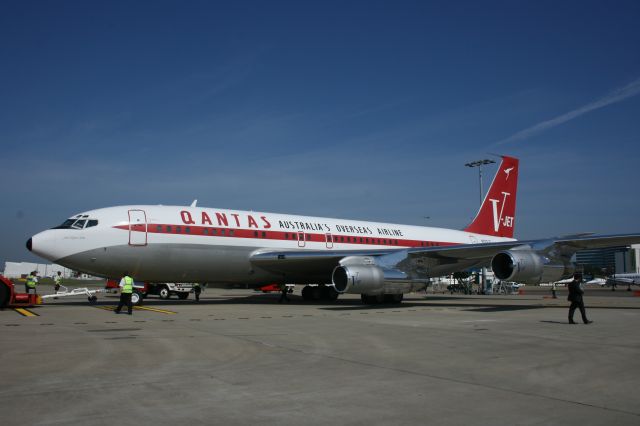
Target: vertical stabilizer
497, 214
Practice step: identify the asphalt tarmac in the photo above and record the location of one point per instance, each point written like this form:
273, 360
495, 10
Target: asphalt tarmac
239, 357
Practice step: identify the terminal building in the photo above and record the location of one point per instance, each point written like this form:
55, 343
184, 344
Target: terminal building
618, 260
22, 269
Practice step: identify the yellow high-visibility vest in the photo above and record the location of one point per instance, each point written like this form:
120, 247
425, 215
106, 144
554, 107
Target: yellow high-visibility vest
128, 285
31, 281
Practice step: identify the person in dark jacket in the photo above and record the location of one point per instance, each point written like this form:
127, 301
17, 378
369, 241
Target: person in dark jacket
283, 293
197, 290
575, 297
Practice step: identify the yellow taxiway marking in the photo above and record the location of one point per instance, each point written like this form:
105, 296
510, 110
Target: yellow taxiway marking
162, 311
25, 312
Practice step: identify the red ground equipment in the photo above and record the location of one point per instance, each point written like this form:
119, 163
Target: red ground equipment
10, 298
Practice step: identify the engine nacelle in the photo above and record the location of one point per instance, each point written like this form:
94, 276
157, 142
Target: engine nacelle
371, 279
358, 279
528, 267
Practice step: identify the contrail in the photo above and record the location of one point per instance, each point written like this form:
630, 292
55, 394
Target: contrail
631, 89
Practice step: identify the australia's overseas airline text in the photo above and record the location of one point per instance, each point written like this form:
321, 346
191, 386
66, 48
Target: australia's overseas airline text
242, 220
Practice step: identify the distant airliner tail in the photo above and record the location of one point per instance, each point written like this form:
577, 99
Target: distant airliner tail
497, 213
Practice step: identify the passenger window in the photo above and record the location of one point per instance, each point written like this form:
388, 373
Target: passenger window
214, 232
222, 232
168, 229
187, 230
205, 231
178, 229
231, 233
264, 234
255, 234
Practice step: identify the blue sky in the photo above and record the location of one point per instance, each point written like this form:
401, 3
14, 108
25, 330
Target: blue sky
363, 110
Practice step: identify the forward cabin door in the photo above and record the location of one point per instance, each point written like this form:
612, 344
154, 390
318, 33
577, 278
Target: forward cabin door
137, 228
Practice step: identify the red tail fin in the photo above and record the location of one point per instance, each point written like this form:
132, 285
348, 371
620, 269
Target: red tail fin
497, 214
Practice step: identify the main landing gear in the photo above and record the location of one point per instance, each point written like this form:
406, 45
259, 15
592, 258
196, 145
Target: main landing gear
319, 293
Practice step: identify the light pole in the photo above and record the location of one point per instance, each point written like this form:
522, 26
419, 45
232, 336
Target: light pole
479, 164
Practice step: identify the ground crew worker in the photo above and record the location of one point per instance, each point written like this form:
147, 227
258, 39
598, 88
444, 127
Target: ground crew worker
126, 288
32, 282
197, 290
283, 293
57, 279
575, 297
553, 291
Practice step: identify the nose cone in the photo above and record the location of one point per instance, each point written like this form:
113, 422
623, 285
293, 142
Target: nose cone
44, 245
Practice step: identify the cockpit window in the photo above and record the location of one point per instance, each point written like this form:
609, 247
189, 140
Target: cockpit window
66, 224
77, 223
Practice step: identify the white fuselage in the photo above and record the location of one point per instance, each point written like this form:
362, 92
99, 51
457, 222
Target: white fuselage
174, 243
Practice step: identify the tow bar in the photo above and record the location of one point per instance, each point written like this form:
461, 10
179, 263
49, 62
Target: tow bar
84, 291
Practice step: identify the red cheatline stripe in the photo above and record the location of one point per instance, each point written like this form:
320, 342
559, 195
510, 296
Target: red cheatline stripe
207, 231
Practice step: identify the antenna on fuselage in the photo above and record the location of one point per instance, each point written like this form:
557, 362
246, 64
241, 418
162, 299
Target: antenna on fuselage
194, 203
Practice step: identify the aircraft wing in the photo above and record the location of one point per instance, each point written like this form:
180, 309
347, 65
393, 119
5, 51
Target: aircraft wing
453, 257
313, 262
322, 262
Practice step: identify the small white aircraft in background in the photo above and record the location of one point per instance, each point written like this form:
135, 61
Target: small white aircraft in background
623, 279
379, 261
597, 281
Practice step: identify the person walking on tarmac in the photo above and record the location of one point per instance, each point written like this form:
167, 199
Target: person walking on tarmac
575, 297
57, 279
283, 293
31, 283
126, 288
197, 290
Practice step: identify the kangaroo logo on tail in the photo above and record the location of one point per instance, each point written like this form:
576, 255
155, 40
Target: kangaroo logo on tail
496, 216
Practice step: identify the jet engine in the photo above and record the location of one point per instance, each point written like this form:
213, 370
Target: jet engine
369, 279
529, 267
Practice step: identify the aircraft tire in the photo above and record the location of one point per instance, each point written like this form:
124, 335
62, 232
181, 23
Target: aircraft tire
368, 300
393, 298
306, 293
92, 299
316, 293
332, 294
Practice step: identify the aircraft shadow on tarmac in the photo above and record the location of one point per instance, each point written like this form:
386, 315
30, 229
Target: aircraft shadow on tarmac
466, 303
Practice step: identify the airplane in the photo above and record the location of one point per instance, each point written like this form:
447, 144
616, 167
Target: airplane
623, 279
379, 261
596, 281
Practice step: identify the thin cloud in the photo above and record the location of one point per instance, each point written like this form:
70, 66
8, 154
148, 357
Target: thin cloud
632, 89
